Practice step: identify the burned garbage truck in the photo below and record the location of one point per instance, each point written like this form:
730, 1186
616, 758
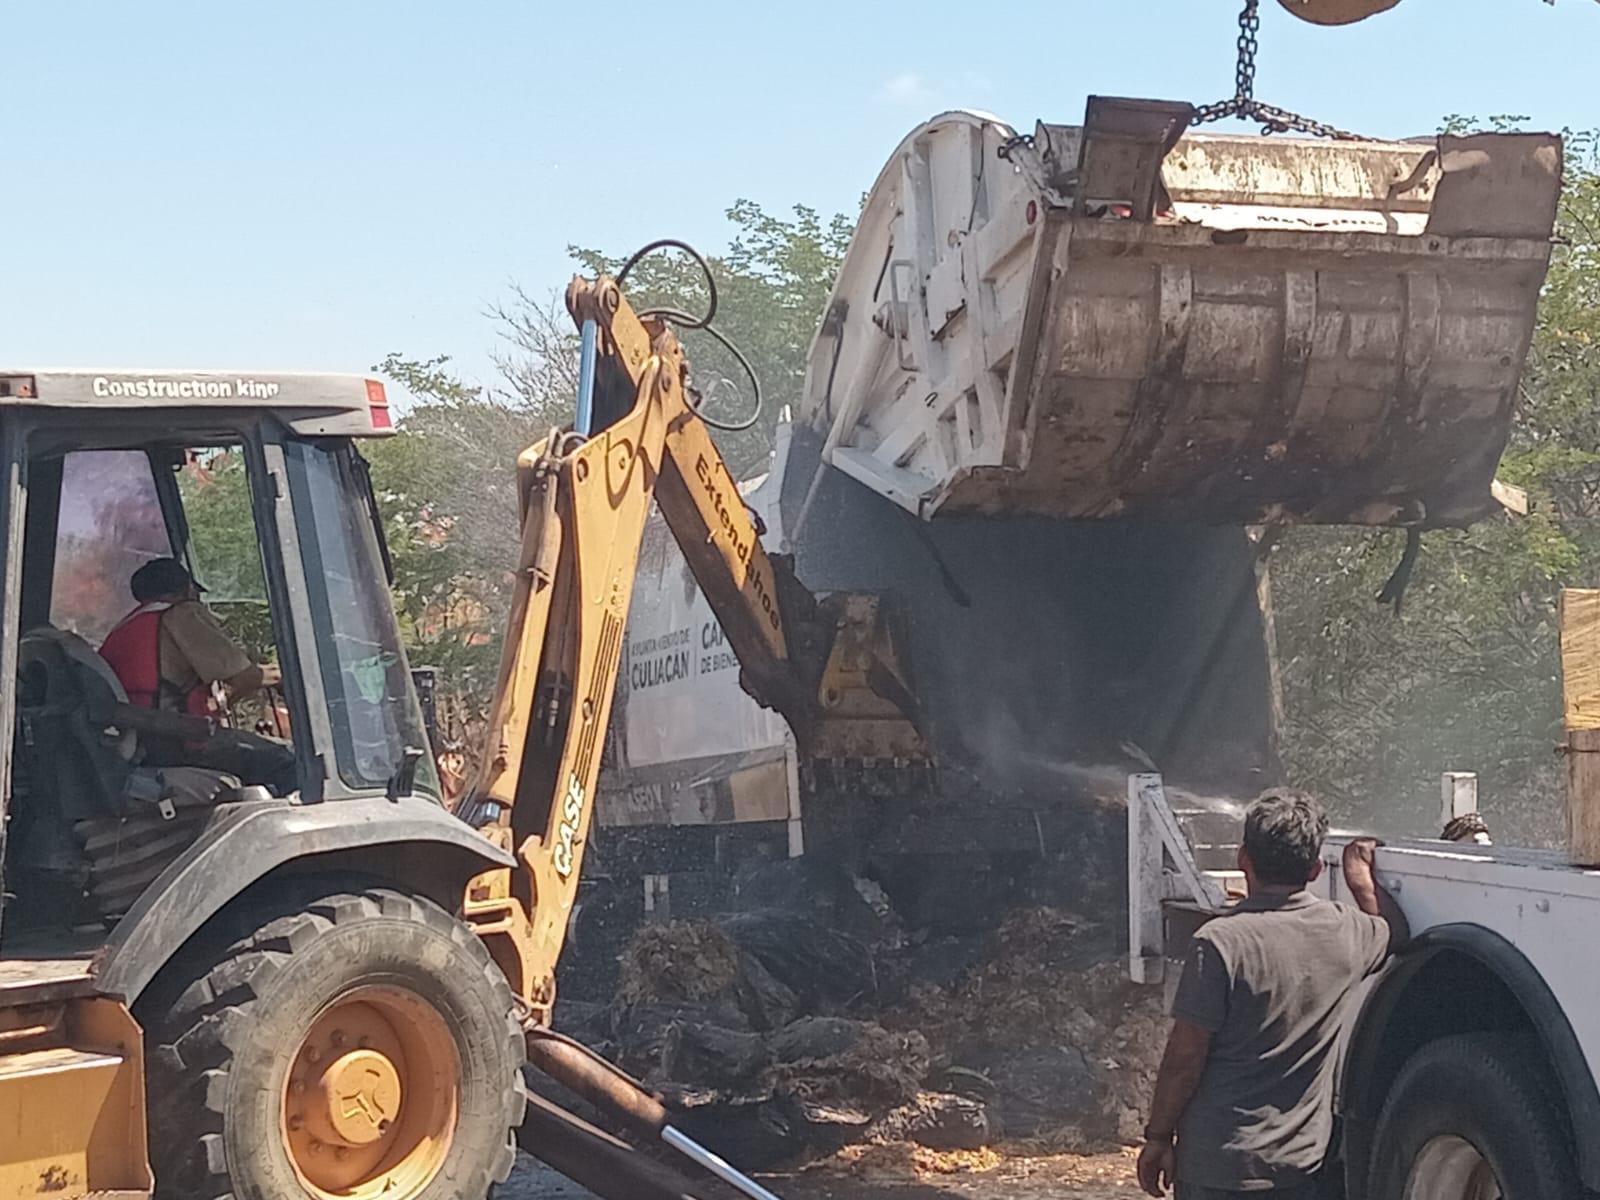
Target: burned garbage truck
1068, 387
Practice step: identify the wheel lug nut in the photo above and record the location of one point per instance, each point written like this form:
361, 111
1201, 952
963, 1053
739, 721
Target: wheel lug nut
297, 1085
341, 1154
312, 1054
338, 1037
296, 1121
363, 1042
315, 1147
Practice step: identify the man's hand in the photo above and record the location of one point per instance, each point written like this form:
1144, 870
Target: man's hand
1360, 860
1361, 852
252, 680
1155, 1166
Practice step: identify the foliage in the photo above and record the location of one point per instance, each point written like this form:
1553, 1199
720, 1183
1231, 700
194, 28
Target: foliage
1376, 705
1467, 677
215, 490
447, 483
446, 486
772, 286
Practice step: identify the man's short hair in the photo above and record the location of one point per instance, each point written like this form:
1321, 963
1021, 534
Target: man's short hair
1283, 832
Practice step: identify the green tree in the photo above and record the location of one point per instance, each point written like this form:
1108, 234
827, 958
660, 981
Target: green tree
446, 484
1468, 676
772, 286
215, 490
447, 481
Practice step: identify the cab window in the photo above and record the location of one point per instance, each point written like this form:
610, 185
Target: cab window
214, 489
372, 705
109, 524
117, 510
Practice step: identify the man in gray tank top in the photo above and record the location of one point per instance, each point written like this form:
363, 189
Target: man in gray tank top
1244, 1101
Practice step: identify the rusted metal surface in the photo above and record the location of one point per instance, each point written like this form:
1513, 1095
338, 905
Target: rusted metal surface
1301, 330
1336, 12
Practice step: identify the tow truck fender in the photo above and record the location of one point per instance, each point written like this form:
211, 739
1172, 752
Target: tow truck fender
1366, 1072
245, 843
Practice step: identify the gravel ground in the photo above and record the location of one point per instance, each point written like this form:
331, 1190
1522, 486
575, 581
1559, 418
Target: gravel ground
893, 1177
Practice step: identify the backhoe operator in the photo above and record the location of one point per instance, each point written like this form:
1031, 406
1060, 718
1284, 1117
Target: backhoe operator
169, 652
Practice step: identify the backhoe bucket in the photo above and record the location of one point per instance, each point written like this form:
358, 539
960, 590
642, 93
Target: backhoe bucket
1121, 320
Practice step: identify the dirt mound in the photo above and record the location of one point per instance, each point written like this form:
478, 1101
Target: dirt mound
1049, 1020
678, 962
856, 1064
789, 1039
937, 1120
901, 1160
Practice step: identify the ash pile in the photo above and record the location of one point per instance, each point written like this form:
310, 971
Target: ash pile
791, 1030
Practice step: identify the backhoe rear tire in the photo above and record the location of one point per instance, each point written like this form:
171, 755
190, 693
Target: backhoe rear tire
359, 1045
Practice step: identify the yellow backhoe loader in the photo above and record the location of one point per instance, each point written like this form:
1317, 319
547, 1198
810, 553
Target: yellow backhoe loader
215, 985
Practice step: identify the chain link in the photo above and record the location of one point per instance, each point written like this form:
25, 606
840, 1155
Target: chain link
1244, 72
1244, 105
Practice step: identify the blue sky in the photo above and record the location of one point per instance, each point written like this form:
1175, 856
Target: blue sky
310, 185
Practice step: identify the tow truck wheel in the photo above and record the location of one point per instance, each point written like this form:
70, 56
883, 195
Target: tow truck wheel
1473, 1118
360, 1046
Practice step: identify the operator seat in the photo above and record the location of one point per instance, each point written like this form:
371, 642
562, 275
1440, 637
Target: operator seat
88, 819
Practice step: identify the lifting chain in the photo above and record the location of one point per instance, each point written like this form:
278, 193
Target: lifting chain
1244, 104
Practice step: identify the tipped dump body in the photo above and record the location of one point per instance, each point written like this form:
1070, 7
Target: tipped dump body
1116, 320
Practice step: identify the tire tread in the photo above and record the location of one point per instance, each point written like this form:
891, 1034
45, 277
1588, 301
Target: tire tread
1508, 1067
193, 1044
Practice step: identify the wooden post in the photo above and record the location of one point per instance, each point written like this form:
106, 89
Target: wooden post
1146, 928
1580, 686
658, 897
1583, 797
791, 782
1458, 795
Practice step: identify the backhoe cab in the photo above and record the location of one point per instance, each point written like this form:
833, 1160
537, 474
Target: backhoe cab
290, 938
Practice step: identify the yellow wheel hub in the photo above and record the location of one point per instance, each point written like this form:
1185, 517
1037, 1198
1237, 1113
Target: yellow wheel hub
357, 1099
370, 1101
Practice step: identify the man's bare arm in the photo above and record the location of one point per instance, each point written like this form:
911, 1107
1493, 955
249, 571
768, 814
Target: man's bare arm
252, 680
1359, 859
1175, 1085
1188, 1046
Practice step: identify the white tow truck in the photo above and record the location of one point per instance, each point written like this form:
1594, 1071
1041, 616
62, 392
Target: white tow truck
1468, 1063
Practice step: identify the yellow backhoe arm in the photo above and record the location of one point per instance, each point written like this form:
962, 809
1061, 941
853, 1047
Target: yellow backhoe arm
830, 667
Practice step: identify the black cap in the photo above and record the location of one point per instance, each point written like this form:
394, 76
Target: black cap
161, 577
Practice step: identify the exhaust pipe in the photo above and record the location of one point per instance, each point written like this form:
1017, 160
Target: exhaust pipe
613, 1091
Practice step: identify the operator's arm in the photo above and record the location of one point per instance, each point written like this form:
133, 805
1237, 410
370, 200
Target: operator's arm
211, 653
1369, 897
1188, 1046
252, 679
